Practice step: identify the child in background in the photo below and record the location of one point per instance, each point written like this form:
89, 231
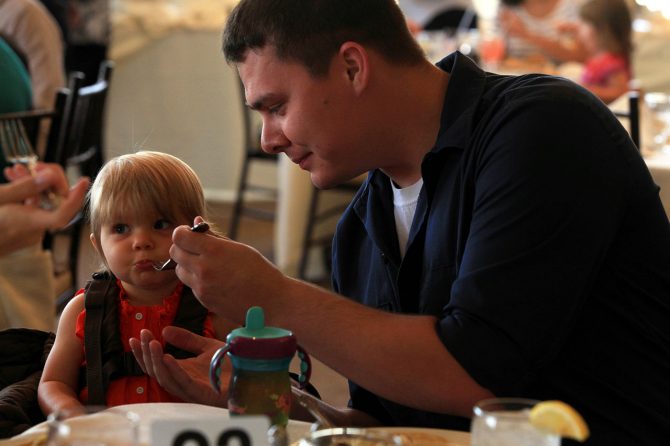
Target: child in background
135, 203
605, 30
539, 30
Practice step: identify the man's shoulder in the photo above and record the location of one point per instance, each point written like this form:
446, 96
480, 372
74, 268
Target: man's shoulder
550, 102
531, 89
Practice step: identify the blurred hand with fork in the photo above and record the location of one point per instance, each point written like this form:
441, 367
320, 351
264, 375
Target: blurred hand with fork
22, 221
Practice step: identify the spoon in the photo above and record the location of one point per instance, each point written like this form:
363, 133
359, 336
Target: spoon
171, 264
312, 406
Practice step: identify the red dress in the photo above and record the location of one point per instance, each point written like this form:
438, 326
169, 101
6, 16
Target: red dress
599, 69
132, 319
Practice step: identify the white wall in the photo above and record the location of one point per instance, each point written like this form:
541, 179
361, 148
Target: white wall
178, 95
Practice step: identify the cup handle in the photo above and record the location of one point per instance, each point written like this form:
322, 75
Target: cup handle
215, 367
305, 368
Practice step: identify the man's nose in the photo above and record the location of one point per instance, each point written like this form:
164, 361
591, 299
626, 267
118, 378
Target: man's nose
273, 139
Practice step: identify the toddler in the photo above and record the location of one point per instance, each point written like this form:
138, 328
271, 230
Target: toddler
605, 30
135, 203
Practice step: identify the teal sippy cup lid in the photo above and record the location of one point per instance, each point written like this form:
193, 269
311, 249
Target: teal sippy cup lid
257, 341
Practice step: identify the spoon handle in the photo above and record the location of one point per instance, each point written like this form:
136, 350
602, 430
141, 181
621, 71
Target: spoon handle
171, 264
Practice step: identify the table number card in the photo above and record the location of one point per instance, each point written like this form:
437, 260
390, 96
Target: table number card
237, 431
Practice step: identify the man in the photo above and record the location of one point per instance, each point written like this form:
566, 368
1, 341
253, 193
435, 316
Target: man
536, 262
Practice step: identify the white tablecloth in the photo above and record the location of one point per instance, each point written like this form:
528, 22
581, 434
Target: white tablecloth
150, 412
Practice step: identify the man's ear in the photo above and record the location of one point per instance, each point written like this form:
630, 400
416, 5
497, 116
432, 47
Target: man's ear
357, 64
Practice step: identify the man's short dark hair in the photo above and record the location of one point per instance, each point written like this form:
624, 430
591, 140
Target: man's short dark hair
311, 31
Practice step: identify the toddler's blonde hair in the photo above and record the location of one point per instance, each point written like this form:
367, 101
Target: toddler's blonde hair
145, 184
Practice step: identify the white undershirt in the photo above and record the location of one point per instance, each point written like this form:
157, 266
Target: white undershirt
404, 207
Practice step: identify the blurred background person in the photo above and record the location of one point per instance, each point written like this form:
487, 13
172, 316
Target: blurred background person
58, 10
536, 29
27, 288
605, 32
89, 27
15, 91
438, 15
30, 29
34, 34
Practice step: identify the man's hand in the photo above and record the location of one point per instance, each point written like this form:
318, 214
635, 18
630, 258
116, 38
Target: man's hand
187, 379
512, 24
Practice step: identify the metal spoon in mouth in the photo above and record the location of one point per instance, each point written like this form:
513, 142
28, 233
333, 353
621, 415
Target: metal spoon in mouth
171, 264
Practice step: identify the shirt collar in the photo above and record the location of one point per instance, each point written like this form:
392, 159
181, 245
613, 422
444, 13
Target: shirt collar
464, 92
465, 89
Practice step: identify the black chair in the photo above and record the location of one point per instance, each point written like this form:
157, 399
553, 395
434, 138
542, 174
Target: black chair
321, 219
82, 152
32, 120
243, 207
633, 116
84, 144
59, 128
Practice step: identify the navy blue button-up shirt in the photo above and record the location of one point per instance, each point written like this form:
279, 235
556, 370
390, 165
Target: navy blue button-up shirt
540, 244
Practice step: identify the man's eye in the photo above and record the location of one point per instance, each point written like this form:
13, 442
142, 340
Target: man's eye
275, 109
162, 224
120, 228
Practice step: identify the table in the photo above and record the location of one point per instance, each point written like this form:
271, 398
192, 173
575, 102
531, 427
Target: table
149, 412
295, 191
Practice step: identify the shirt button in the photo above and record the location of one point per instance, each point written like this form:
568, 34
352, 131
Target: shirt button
138, 316
139, 390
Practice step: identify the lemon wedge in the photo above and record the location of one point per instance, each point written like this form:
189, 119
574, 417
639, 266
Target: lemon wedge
559, 418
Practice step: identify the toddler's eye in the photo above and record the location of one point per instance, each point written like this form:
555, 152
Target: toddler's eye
120, 228
162, 224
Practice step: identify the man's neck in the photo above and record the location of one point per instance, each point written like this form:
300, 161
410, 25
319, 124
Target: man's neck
417, 116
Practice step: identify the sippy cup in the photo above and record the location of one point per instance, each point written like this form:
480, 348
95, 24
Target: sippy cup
260, 382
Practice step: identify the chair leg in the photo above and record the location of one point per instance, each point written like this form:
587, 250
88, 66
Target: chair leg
239, 200
634, 110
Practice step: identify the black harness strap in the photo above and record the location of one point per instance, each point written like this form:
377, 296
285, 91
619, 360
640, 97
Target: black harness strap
105, 358
95, 307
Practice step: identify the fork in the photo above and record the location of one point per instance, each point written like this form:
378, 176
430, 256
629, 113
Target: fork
171, 264
18, 150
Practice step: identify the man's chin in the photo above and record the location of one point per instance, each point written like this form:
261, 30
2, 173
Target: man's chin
322, 183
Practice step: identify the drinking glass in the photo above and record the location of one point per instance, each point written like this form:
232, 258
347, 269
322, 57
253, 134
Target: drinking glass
491, 45
98, 427
505, 422
17, 149
492, 50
